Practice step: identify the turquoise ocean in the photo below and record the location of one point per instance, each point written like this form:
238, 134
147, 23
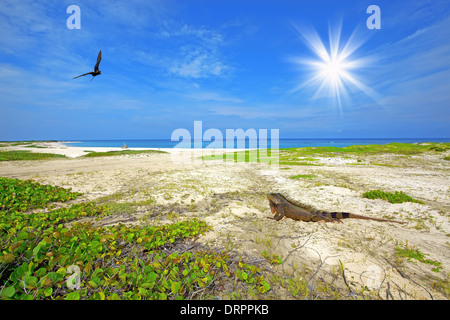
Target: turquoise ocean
282, 143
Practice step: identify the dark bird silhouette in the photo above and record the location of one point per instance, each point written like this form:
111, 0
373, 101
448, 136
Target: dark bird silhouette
96, 71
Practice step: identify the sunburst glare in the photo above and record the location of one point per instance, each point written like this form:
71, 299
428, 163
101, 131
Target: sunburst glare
332, 70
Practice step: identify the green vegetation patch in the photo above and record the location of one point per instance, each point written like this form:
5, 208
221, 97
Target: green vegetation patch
297, 163
41, 257
303, 176
384, 165
19, 195
274, 259
27, 155
21, 143
257, 155
120, 207
396, 148
396, 197
35, 146
304, 156
415, 253
120, 153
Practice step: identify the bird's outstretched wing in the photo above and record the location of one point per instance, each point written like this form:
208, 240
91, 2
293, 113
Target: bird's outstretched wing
83, 75
99, 58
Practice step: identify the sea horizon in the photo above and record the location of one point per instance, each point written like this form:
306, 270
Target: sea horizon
282, 143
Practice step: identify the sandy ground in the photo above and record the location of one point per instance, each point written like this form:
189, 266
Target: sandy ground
328, 260
75, 152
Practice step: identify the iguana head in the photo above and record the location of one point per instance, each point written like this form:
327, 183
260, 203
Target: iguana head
275, 199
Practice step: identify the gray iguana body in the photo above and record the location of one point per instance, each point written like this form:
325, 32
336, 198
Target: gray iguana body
285, 207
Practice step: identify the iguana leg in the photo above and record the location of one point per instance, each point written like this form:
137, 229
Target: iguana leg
274, 217
280, 215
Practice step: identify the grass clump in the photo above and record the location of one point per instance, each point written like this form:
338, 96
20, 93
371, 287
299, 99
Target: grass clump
35, 146
258, 155
120, 207
27, 155
302, 156
274, 259
415, 253
21, 143
297, 163
120, 153
303, 176
374, 149
396, 197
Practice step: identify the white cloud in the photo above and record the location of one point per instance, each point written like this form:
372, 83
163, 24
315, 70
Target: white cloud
213, 96
200, 53
19, 22
414, 72
187, 51
198, 65
134, 15
286, 112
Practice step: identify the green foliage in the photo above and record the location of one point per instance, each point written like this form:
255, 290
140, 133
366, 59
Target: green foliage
19, 195
415, 253
41, 255
120, 207
304, 156
251, 274
20, 143
297, 163
439, 148
257, 155
274, 259
120, 153
396, 197
26, 155
303, 176
397, 148
295, 154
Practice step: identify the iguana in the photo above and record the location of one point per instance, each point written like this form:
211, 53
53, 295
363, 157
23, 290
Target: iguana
285, 207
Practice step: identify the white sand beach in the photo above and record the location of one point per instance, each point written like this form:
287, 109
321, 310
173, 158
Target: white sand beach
74, 152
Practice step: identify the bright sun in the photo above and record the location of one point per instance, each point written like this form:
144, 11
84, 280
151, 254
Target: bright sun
331, 72
332, 69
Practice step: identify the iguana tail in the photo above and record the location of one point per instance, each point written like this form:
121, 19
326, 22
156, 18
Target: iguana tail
346, 215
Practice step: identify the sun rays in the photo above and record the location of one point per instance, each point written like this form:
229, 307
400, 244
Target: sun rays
332, 70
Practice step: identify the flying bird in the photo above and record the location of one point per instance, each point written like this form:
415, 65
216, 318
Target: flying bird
96, 71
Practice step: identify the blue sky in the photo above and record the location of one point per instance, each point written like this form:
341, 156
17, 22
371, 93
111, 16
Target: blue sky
231, 64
